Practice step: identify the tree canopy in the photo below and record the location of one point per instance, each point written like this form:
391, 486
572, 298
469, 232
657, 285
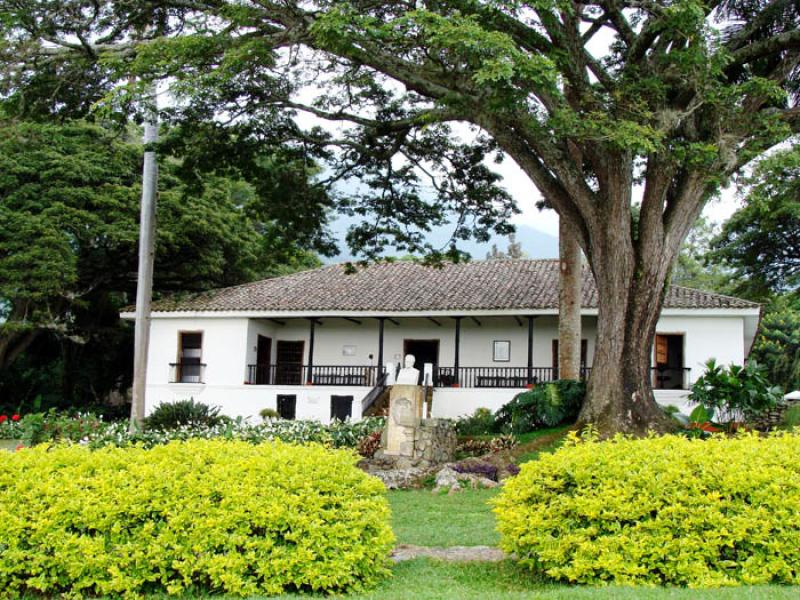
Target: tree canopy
69, 206
592, 100
760, 243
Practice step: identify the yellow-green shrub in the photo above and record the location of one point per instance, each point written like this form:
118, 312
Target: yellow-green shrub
663, 510
217, 516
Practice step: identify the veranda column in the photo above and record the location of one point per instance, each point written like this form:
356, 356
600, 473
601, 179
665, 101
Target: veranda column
309, 377
456, 352
530, 350
381, 322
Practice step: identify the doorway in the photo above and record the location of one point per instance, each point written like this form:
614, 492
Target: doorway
668, 372
424, 351
263, 360
289, 362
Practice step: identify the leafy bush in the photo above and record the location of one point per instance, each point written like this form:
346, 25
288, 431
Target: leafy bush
336, 435
481, 422
659, 511
791, 418
479, 447
172, 415
370, 444
269, 413
36, 428
483, 469
734, 393
231, 518
88, 429
545, 405
10, 428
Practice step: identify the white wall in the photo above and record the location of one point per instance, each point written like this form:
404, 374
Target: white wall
230, 344
313, 402
707, 337
224, 343
451, 403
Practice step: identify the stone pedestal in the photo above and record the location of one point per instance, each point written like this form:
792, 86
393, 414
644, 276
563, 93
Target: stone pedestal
405, 412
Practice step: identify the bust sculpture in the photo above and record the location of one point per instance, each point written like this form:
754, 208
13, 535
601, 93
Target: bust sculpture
408, 375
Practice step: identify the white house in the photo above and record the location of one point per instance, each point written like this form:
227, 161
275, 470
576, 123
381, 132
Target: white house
315, 344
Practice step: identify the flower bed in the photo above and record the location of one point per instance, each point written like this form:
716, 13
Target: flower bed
92, 431
231, 518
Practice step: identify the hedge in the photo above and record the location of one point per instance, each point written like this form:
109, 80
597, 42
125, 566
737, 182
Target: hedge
217, 516
659, 511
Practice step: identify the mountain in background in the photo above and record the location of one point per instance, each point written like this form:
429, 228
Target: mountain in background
534, 243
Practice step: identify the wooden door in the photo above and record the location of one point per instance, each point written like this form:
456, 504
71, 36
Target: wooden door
263, 360
289, 362
423, 351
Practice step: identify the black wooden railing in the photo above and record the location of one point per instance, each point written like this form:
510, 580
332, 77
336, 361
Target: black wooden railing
376, 392
365, 376
671, 378
187, 372
496, 377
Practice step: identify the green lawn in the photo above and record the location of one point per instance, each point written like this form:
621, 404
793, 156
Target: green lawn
532, 444
425, 579
422, 518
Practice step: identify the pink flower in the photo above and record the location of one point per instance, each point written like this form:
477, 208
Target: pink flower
15, 417
3, 419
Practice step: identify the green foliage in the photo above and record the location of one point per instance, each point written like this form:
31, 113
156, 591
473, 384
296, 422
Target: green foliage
481, 422
545, 405
658, 511
760, 241
231, 517
182, 413
734, 393
269, 413
695, 268
69, 218
777, 346
791, 418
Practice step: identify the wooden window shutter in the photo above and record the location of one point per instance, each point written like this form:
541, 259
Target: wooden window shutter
661, 350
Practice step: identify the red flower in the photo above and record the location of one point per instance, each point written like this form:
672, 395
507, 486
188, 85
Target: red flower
15, 417
3, 418
19, 447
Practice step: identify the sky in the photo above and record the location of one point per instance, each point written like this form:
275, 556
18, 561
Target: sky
537, 231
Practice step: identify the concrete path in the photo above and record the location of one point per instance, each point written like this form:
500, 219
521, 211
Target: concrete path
454, 553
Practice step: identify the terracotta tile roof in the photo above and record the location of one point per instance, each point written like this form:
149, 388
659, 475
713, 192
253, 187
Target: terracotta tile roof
407, 286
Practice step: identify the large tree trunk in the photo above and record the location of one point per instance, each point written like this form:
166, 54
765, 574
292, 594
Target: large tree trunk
631, 277
569, 304
620, 394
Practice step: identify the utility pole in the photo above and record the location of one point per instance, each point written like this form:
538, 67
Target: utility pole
147, 250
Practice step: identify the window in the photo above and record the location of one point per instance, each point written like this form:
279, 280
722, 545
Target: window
190, 353
341, 407
287, 406
501, 351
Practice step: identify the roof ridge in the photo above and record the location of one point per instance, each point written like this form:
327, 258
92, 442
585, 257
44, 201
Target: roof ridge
710, 293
